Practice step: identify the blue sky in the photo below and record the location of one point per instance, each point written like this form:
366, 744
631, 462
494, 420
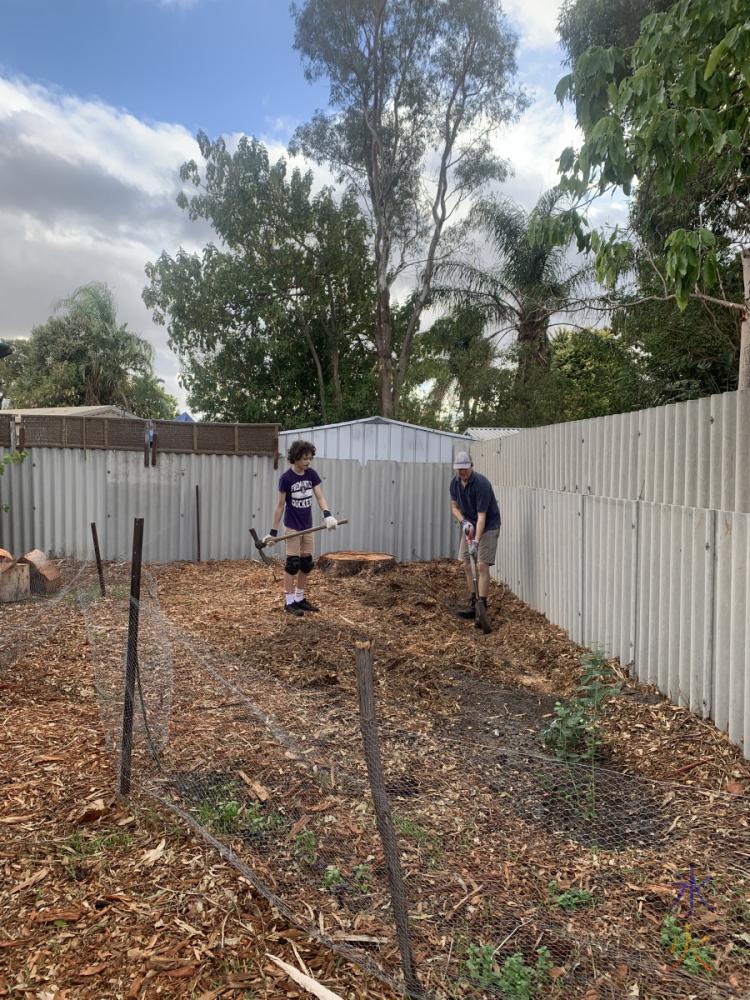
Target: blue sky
219, 65
99, 104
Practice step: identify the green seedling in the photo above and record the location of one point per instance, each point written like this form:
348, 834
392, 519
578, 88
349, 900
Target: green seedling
362, 875
570, 899
690, 953
332, 877
306, 846
514, 979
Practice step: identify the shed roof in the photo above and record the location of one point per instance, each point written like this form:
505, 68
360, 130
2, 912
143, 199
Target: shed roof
488, 433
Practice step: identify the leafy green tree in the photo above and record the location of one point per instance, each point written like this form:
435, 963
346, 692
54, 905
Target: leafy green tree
583, 23
663, 112
274, 322
83, 356
597, 373
412, 83
458, 363
525, 284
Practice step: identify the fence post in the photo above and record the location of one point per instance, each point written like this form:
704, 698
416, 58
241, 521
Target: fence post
369, 726
131, 662
99, 568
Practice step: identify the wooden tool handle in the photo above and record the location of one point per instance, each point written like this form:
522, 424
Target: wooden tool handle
306, 531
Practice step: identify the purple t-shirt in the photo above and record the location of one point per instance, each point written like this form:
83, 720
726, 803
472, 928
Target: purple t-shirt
299, 498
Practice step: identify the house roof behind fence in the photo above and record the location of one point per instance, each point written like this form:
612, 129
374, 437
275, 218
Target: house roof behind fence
69, 411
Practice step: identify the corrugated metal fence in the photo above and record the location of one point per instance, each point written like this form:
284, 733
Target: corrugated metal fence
633, 533
395, 507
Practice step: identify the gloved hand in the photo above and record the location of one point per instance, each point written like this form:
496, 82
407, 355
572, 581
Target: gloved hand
267, 539
468, 529
473, 547
330, 522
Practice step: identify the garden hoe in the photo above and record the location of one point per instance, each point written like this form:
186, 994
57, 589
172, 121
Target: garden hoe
480, 608
260, 544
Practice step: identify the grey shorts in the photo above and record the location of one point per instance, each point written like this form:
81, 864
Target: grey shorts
487, 547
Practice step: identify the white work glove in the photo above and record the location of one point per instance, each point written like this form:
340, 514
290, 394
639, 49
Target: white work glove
473, 546
330, 522
267, 539
468, 529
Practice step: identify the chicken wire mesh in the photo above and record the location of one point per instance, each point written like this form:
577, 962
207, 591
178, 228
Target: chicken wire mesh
106, 619
524, 875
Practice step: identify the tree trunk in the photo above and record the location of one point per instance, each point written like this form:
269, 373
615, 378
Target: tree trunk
319, 372
743, 377
336, 379
384, 341
534, 348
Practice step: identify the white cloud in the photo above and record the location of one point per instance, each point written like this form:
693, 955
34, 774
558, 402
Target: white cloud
87, 193
536, 20
533, 145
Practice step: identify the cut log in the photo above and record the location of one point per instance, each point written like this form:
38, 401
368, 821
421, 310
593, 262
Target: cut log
14, 583
5, 556
351, 563
43, 574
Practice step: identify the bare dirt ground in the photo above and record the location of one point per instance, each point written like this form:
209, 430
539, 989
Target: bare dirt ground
106, 898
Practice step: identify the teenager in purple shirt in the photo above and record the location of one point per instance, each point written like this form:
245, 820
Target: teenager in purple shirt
297, 487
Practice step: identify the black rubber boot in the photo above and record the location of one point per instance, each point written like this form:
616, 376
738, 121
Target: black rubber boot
292, 609
469, 612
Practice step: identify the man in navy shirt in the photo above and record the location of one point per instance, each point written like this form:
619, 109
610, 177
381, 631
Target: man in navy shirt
297, 487
473, 504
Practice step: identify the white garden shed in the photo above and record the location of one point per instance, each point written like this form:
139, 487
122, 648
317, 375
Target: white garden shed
378, 438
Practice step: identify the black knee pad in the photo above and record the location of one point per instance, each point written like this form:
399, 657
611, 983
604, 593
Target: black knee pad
292, 565
306, 563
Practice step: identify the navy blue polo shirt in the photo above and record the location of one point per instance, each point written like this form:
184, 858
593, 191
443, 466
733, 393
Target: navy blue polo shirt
477, 497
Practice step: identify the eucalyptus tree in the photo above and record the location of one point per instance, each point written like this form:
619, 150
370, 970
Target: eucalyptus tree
418, 90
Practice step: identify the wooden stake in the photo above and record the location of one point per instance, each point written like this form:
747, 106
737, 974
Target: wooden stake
97, 553
131, 662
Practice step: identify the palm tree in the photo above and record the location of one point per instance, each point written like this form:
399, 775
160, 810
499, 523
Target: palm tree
111, 353
527, 281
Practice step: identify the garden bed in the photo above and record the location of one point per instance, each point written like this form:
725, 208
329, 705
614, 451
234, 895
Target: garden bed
500, 840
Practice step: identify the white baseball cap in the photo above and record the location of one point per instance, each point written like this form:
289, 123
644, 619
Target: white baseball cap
463, 461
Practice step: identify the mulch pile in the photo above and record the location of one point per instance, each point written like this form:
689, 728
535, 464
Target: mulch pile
105, 898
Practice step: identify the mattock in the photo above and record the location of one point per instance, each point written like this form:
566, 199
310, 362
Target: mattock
260, 544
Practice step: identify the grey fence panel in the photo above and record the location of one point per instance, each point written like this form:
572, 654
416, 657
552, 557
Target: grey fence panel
397, 507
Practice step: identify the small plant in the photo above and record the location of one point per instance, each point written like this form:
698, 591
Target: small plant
573, 734
687, 951
479, 966
332, 878
570, 899
306, 846
362, 875
515, 979
519, 981
220, 816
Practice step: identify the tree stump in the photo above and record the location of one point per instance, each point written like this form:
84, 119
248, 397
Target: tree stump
351, 563
44, 575
14, 582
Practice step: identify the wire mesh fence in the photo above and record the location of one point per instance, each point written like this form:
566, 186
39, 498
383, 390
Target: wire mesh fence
523, 875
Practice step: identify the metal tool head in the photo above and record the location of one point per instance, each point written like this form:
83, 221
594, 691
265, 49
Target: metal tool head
259, 545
